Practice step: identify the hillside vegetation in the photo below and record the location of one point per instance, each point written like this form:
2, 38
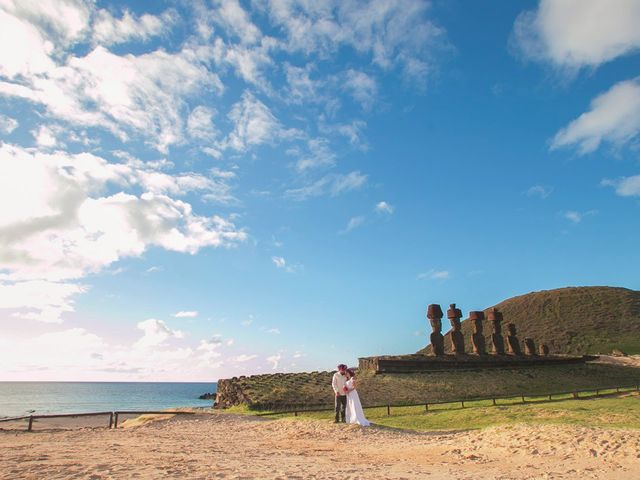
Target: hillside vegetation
285, 391
572, 320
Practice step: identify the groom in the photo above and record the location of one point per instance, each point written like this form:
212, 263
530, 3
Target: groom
338, 383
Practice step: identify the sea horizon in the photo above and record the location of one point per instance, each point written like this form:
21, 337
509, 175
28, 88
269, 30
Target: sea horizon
48, 397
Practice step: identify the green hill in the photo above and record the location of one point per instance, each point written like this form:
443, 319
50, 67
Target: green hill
572, 320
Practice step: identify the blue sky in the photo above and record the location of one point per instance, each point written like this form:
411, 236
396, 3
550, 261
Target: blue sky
195, 190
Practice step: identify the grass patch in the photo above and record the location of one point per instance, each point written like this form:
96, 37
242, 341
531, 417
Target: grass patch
614, 412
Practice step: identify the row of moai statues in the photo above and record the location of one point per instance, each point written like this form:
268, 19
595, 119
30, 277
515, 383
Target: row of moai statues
454, 314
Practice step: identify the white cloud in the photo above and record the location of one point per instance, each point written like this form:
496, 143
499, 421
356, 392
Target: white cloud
109, 30
319, 154
254, 124
45, 137
539, 191
279, 262
29, 52
154, 269
573, 216
159, 353
243, 358
249, 63
331, 184
186, 314
434, 275
37, 32
577, 217
7, 124
143, 95
235, 20
579, 33
353, 223
39, 299
353, 131
362, 87
200, 123
614, 117
625, 186
384, 207
302, 88
274, 360
63, 225
155, 333
392, 33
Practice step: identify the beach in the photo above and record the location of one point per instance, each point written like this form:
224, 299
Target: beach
222, 445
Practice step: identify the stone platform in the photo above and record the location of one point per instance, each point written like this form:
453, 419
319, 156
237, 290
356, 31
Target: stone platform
428, 363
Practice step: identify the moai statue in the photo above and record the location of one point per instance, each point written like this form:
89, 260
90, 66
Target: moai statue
544, 349
530, 347
434, 314
457, 339
513, 344
497, 341
477, 338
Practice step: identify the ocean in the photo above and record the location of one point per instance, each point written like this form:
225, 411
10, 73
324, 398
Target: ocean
21, 398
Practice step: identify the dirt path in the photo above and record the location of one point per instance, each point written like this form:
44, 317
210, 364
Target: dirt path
240, 447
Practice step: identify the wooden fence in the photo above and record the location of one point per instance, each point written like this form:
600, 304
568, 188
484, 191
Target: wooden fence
575, 394
113, 416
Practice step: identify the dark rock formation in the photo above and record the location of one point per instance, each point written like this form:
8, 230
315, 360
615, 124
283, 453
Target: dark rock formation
497, 341
513, 344
477, 338
530, 347
207, 396
457, 339
434, 314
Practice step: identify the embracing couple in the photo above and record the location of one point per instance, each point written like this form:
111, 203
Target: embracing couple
348, 406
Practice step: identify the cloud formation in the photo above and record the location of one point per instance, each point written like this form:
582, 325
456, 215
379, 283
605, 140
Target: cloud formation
434, 274
578, 33
624, 186
614, 118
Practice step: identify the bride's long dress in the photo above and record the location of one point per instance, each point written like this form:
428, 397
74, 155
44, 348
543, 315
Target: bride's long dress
354, 413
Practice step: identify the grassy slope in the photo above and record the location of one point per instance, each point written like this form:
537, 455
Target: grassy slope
616, 412
575, 320
314, 389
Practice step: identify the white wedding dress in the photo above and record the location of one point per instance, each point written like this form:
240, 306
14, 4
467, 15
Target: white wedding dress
354, 413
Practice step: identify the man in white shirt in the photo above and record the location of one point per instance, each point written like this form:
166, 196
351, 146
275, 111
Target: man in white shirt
338, 383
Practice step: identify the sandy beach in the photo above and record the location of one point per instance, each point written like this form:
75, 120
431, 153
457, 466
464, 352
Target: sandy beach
244, 447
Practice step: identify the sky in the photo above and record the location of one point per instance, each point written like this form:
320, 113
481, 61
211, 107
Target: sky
193, 190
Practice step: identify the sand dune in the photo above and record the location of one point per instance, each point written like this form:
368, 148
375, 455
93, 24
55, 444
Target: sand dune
241, 447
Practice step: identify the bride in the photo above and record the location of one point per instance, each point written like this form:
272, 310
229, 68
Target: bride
354, 412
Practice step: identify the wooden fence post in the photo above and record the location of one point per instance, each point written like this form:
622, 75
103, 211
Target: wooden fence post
523, 399
494, 401
115, 423
388, 410
30, 423
110, 420
549, 397
426, 407
462, 401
